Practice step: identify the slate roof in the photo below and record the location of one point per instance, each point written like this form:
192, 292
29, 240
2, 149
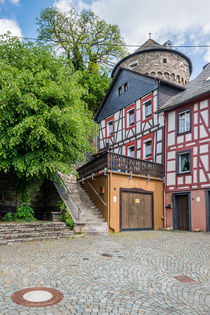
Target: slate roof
138, 86
198, 87
150, 43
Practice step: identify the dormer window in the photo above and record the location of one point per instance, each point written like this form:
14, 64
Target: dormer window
123, 88
126, 87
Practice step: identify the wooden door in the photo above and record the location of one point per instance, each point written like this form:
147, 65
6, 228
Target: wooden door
136, 210
183, 212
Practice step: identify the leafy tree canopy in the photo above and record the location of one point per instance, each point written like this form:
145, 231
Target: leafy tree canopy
84, 37
44, 124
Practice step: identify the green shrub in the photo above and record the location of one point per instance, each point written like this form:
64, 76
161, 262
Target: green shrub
65, 215
9, 216
25, 213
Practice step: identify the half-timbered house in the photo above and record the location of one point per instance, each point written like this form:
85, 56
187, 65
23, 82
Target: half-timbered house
187, 152
129, 122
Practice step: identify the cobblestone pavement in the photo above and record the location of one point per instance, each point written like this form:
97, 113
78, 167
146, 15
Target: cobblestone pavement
135, 276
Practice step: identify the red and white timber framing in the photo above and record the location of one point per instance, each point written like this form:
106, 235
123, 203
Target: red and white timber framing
123, 134
197, 141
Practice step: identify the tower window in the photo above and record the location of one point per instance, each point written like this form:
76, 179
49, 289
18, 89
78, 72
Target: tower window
164, 60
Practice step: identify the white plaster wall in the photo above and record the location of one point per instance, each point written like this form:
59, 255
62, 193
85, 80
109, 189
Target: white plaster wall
180, 180
159, 147
204, 148
171, 179
203, 133
171, 155
171, 139
171, 166
180, 139
203, 104
159, 135
205, 161
171, 121
188, 137
202, 176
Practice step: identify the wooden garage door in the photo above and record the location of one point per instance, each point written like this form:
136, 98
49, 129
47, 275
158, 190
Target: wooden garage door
136, 210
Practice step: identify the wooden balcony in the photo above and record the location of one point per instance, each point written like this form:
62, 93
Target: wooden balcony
120, 163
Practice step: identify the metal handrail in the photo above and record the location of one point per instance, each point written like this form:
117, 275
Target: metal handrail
104, 203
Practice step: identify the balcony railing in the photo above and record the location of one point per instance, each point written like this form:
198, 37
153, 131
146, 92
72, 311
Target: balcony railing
121, 163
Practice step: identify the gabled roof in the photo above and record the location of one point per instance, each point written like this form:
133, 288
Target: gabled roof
196, 88
138, 86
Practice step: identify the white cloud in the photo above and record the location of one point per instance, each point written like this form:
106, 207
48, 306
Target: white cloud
181, 21
11, 26
13, 1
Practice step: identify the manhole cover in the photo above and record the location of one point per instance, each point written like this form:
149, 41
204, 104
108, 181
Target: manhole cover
37, 297
183, 278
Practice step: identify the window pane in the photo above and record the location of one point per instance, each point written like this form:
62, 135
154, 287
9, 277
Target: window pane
110, 128
187, 116
131, 117
148, 109
184, 160
184, 122
148, 149
131, 151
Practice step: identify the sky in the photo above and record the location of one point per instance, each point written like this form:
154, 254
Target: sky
184, 22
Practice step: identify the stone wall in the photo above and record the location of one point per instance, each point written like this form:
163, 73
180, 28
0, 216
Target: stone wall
162, 64
43, 201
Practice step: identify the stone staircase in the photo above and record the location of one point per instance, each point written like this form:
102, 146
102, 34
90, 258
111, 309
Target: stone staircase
89, 213
33, 231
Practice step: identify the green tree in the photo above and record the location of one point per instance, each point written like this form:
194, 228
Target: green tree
85, 38
96, 83
45, 126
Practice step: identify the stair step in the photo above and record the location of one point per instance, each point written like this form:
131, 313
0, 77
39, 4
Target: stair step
89, 211
11, 241
35, 235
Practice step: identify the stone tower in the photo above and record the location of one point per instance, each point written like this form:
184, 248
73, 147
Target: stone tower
159, 61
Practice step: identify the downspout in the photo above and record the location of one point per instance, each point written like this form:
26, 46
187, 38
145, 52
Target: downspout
165, 164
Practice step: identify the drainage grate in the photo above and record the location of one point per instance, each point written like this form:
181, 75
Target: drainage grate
106, 255
184, 278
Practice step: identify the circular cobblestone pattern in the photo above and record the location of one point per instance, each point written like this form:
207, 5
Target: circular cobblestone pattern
147, 272
37, 297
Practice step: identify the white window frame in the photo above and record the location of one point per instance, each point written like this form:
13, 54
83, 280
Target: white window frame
128, 150
179, 157
110, 123
144, 148
187, 124
128, 117
144, 109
